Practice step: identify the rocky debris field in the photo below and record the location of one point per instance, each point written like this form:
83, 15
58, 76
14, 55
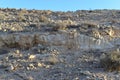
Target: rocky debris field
47, 45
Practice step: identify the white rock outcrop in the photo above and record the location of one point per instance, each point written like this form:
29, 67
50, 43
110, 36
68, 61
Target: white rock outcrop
67, 40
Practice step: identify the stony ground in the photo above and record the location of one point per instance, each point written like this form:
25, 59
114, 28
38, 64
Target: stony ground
43, 63
49, 62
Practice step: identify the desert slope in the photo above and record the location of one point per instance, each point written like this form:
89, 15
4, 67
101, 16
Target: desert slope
48, 45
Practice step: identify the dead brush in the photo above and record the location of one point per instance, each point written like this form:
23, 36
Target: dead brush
110, 61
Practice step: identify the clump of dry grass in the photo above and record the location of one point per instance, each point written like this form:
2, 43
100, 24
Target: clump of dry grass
43, 18
111, 61
52, 60
57, 26
21, 17
2, 16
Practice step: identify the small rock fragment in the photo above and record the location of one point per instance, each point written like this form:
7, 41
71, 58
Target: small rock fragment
17, 51
32, 57
40, 64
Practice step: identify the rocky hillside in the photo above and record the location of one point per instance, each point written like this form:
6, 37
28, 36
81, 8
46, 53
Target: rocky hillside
48, 45
29, 20
97, 24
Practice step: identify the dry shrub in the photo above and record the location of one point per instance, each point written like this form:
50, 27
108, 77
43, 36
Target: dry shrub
53, 60
47, 12
21, 17
24, 11
60, 26
2, 16
111, 61
57, 26
43, 19
89, 25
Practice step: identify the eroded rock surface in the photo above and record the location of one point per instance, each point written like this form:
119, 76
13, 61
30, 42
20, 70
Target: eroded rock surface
65, 39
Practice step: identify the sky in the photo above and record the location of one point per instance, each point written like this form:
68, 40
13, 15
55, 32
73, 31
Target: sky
61, 5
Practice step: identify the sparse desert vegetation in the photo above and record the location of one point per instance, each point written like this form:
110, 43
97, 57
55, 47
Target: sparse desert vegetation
49, 45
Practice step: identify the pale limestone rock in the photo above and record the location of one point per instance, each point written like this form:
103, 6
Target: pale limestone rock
24, 40
7, 40
31, 57
56, 39
40, 65
65, 39
40, 38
